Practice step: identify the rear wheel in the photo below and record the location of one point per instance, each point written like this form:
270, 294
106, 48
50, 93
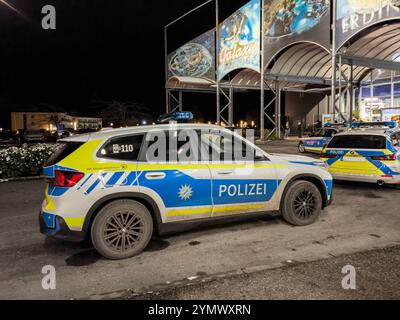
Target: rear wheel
302, 148
302, 204
122, 229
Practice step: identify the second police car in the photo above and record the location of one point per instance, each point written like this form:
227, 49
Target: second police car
320, 138
103, 186
369, 152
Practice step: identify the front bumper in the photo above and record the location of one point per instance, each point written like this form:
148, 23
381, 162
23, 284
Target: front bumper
55, 226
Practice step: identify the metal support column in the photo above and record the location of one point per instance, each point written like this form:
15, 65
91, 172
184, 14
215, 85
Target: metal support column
230, 116
167, 100
371, 91
392, 89
333, 91
340, 107
180, 105
351, 94
266, 115
278, 109
174, 103
217, 62
262, 73
226, 112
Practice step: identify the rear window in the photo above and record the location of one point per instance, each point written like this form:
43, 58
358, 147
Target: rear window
358, 142
64, 150
123, 148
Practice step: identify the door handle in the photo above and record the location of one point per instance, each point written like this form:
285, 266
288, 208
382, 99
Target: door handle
155, 176
225, 173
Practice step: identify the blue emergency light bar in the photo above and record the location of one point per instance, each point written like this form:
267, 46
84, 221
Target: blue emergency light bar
388, 124
176, 117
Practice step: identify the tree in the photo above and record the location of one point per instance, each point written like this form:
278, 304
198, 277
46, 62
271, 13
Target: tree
121, 113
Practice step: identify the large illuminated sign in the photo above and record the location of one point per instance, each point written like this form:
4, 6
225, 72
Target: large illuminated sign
290, 21
239, 40
194, 59
355, 15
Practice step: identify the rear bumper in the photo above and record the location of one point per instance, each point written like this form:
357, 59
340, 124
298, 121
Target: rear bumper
367, 178
55, 226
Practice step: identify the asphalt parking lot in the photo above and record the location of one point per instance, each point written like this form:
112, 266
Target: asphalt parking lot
362, 218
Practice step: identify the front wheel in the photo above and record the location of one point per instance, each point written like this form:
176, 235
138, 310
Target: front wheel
302, 148
302, 204
122, 229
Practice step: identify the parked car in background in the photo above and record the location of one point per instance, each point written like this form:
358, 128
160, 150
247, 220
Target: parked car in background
8, 137
367, 153
317, 140
33, 136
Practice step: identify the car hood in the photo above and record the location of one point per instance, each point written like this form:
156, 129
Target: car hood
300, 159
311, 138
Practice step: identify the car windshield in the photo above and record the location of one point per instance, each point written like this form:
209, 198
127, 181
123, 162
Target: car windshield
358, 142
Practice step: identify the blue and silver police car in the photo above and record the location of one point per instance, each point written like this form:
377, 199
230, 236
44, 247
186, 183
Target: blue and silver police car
105, 186
319, 139
370, 152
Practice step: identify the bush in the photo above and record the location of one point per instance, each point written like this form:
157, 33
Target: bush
24, 161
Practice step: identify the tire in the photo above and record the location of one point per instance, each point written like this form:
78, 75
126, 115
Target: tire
302, 149
302, 204
122, 229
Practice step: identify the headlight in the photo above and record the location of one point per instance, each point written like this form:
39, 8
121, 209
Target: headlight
321, 164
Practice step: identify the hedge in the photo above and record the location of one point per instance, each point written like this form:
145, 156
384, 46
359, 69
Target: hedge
24, 161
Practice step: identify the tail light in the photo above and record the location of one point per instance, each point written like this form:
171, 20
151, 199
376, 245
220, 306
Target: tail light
66, 179
391, 157
328, 156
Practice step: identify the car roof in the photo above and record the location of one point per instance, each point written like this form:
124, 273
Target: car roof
110, 133
368, 132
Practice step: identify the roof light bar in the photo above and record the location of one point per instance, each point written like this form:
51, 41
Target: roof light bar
383, 124
176, 117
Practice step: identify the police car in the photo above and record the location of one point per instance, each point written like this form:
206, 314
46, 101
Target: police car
370, 152
319, 139
119, 187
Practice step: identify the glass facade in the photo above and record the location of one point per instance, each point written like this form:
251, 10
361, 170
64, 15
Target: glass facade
379, 102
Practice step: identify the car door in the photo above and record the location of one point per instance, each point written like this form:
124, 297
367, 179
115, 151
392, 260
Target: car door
239, 186
181, 189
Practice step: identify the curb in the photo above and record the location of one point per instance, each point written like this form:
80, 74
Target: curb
21, 179
158, 289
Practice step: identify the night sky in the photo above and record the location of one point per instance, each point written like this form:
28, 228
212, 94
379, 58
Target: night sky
107, 49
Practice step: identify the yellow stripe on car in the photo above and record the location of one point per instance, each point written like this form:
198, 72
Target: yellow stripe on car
224, 209
74, 222
49, 203
188, 212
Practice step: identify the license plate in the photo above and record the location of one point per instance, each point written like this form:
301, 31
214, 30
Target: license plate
354, 159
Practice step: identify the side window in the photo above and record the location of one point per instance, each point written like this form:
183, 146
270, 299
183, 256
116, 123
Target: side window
170, 146
123, 148
395, 140
223, 146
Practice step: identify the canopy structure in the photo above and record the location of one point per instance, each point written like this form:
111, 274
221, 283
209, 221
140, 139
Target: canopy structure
353, 57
